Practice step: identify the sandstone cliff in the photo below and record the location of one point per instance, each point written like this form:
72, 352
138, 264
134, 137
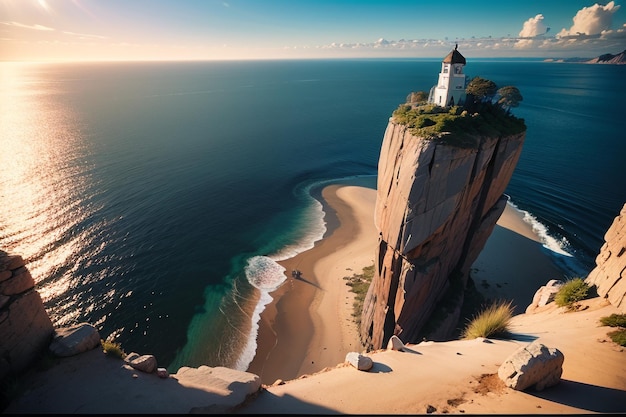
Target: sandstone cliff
609, 275
436, 206
25, 328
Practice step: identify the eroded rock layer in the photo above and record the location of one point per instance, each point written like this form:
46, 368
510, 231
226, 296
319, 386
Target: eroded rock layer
436, 206
609, 275
25, 328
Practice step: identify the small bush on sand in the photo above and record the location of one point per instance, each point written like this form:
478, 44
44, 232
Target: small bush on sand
616, 320
571, 293
112, 349
492, 321
618, 336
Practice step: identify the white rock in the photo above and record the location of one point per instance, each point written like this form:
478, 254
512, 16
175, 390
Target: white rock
395, 343
360, 362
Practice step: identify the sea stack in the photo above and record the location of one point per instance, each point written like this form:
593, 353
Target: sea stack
439, 196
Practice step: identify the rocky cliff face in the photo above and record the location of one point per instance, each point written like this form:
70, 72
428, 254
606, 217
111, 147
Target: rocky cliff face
609, 59
25, 328
609, 275
436, 206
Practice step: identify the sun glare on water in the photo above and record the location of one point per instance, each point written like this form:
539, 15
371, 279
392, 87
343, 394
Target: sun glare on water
43, 178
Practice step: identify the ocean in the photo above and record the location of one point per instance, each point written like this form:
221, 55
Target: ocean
151, 199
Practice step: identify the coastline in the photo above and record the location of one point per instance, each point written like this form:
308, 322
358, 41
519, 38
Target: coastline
514, 263
293, 341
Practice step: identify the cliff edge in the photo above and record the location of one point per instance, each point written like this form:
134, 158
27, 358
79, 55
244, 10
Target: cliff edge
437, 204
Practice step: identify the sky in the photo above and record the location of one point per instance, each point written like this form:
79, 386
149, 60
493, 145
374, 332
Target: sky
87, 30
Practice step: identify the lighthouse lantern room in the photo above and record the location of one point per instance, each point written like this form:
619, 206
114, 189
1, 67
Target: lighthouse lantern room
450, 89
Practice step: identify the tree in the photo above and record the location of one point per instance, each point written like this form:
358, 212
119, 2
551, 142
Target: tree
417, 97
481, 89
510, 96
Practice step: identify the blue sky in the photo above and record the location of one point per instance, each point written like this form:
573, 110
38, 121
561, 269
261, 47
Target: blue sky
42, 30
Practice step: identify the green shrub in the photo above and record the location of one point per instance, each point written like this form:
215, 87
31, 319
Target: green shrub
359, 284
618, 336
571, 293
614, 320
112, 349
492, 321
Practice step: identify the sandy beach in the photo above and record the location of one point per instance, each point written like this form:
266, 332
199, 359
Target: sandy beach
309, 325
307, 329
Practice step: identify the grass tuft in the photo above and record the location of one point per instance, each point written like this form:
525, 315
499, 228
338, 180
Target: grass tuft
112, 349
618, 336
492, 321
571, 293
359, 284
616, 320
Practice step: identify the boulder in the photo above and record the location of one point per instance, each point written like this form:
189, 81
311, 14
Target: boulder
533, 365
359, 361
229, 383
73, 340
545, 295
144, 363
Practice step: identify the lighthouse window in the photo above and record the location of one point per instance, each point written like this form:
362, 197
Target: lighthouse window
445, 69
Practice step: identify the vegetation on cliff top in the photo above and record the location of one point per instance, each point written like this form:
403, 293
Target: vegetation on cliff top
486, 112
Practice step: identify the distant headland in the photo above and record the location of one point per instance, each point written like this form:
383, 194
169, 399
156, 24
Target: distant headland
617, 59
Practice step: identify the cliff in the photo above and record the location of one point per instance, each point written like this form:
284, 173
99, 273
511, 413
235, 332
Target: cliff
609, 275
436, 206
25, 328
618, 59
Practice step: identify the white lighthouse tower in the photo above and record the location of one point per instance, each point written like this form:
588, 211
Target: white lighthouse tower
450, 90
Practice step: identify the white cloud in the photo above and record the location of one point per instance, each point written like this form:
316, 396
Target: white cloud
615, 34
591, 20
534, 27
84, 35
22, 25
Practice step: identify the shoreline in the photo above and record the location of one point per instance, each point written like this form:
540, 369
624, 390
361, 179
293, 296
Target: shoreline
293, 341
514, 263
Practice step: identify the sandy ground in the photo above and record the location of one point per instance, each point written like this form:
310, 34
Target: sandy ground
307, 330
459, 376
309, 325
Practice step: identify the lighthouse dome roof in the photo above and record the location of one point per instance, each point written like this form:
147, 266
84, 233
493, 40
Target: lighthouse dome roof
454, 57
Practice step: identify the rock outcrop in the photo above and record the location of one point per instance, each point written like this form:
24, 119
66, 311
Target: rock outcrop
535, 365
545, 295
25, 327
609, 275
618, 59
70, 341
436, 206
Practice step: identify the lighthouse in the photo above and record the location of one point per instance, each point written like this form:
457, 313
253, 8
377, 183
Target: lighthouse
450, 89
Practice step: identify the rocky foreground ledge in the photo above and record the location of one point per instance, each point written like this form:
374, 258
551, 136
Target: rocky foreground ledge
569, 366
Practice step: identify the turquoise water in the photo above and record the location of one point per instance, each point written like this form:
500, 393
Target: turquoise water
152, 198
